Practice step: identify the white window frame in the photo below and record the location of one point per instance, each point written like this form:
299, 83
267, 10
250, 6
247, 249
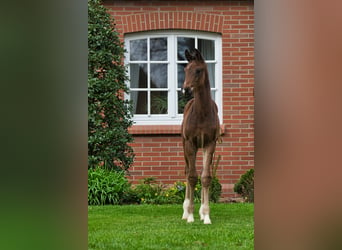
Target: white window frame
173, 118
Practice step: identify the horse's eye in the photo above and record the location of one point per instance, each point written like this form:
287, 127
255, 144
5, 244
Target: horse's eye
198, 71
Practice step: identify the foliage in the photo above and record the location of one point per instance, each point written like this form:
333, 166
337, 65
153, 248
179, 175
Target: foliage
106, 186
112, 187
159, 105
245, 186
215, 187
161, 227
149, 191
181, 187
215, 190
109, 115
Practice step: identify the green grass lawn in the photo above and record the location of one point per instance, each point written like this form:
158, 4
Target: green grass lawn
161, 227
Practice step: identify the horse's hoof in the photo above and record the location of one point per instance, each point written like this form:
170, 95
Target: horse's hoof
190, 218
207, 219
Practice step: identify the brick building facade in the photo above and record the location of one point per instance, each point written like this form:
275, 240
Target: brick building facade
229, 27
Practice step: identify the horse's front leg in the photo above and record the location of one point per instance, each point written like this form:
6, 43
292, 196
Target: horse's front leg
191, 177
206, 182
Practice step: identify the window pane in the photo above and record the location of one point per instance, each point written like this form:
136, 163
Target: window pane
213, 95
181, 74
158, 49
139, 99
184, 43
211, 72
159, 102
207, 48
138, 50
138, 75
158, 75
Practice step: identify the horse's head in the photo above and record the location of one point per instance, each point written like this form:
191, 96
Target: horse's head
195, 70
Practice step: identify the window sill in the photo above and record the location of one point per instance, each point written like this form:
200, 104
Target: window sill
161, 129
154, 129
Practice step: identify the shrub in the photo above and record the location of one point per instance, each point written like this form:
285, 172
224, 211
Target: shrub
215, 190
130, 197
180, 188
149, 191
215, 187
245, 186
109, 114
106, 186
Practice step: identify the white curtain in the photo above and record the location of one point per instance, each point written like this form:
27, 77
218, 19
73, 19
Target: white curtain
207, 48
134, 83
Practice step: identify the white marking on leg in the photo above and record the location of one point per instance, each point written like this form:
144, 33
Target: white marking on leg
207, 219
190, 218
185, 209
201, 212
204, 213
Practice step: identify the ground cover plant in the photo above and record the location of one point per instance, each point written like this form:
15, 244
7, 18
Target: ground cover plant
161, 227
108, 187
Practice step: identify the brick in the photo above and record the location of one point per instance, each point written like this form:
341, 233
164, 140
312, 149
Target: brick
152, 173
154, 154
169, 8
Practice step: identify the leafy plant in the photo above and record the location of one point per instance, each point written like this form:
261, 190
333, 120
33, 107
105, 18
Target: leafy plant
159, 105
106, 186
109, 114
215, 190
150, 192
215, 187
180, 188
245, 186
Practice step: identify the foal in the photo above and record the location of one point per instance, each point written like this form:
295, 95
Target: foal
200, 129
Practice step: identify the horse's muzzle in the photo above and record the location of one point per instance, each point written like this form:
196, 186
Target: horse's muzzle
187, 91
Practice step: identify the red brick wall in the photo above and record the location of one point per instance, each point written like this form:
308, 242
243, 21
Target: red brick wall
158, 149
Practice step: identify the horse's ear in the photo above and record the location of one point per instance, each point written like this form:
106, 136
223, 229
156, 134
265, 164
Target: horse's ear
188, 56
198, 55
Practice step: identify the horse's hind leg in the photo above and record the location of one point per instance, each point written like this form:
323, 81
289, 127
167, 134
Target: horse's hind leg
206, 182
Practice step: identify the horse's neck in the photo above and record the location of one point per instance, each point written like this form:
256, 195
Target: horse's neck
202, 100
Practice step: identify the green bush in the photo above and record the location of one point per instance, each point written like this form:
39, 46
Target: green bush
106, 186
215, 187
215, 190
109, 114
180, 188
149, 191
245, 186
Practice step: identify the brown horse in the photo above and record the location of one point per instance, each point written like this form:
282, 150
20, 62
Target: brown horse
200, 129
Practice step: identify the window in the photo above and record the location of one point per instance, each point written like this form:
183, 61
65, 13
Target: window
156, 64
